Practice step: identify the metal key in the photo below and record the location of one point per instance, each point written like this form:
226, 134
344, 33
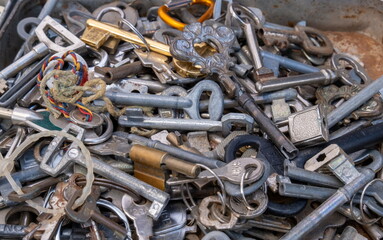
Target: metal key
89, 211
234, 170
190, 103
354, 102
135, 118
159, 65
342, 195
44, 47
139, 215
159, 199
182, 48
261, 72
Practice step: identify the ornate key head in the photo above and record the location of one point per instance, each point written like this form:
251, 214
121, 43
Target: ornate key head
213, 33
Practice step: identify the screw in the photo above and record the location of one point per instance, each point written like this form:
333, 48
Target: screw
73, 153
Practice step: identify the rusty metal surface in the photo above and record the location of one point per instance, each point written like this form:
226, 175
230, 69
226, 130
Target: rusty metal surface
368, 50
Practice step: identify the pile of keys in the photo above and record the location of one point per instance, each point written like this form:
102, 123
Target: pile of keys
196, 119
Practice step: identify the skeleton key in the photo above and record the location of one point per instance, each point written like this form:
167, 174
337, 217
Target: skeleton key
354, 102
190, 103
139, 215
135, 118
89, 211
159, 65
301, 36
211, 217
223, 38
323, 77
44, 47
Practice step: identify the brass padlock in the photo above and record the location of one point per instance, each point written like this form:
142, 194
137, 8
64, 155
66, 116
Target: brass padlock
150, 165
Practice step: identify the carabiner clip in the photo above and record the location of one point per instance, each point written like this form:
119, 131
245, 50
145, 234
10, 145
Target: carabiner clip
164, 9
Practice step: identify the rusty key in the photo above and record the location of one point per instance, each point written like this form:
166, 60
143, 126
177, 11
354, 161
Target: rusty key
89, 211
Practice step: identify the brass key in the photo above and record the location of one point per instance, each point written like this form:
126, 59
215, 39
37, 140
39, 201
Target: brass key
95, 38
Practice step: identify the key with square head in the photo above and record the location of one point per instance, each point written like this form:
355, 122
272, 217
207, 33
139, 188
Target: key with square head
158, 198
139, 214
112, 31
46, 46
89, 211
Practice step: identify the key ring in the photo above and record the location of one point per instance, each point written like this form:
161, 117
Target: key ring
164, 9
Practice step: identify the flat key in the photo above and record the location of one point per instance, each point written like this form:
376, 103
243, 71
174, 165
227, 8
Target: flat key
234, 170
190, 103
73, 155
139, 215
159, 64
44, 47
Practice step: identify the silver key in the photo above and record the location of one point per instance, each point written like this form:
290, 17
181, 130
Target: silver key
159, 198
261, 72
139, 214
135, 118
234, 170
354, 102
190, 103
43, 48
158, 63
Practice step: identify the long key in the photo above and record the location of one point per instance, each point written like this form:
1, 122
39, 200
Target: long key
44, 47
323, 77
287, 94
139, 215
283, 144
89, 211
354, 102
127, 36
135, 118
159, 198
190, 103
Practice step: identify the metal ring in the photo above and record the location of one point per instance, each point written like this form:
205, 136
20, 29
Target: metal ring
105, 136
372, 221
220, 183
119, 213
110, 9
134, 29
241, 188
248, 13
